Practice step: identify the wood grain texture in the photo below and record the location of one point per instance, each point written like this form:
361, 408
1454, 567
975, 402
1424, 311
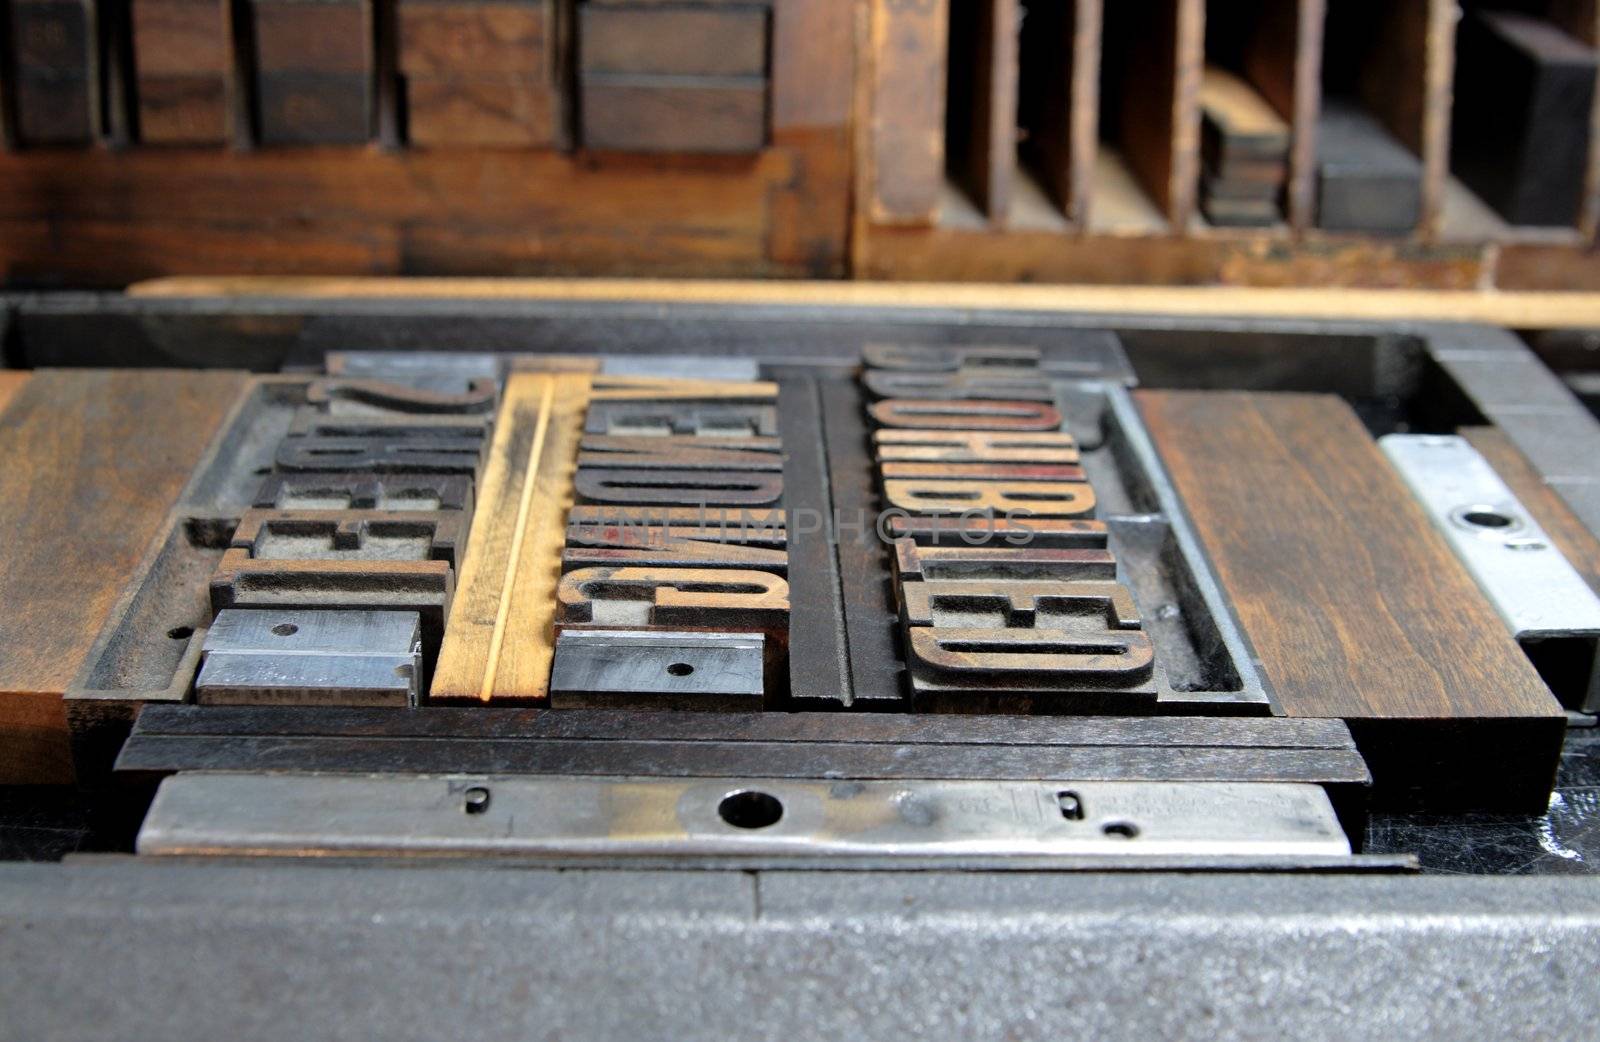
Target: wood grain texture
499, 641
908, 56
11, 381
1570, 535
94, 460
981, 121
1356, 606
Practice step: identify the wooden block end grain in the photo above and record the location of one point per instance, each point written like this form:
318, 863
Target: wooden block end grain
1357, 608
94, 460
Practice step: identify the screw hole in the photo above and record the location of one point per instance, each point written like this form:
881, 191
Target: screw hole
286, 629
1488, 519
475, 800
181, 632
680, 669
750, 809
1120, 829
1071, 805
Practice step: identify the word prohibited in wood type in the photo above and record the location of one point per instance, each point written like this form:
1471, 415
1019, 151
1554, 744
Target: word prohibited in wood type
1006, 624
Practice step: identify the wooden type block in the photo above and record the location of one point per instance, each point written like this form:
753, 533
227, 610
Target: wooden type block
182, 62
999, 564
476, 39
382, 455
359, 535
680, 452
314, 109
1047, 604
949, 358
704, 419
500, 639
1237, 121
425, 587
967, 383
1028, 499
1366, 180
312, 37
1086, 670
966, 416
681, 488
361, 397
183, 110
985, 471
673, 113
1524, 97
676, 553
1047, 533
1338, 580
722, 599
955, 446
758, 526
908, 48
112, 447
673, 41
1240, 213
482, 111
329, 491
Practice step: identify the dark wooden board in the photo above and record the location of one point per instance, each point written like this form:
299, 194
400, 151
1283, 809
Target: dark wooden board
1523, 101
1357, 608
981, 117
93, 462
712, 114
677, 41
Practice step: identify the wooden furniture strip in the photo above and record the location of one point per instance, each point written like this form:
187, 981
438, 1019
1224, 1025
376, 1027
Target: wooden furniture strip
1355, 605
499, 640
1517, 310
93, 462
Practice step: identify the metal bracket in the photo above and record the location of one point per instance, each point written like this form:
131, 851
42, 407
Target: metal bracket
701, 822
1545, 603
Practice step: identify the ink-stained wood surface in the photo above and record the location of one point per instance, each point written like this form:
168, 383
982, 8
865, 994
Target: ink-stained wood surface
1357, 608
93, 462
500, 639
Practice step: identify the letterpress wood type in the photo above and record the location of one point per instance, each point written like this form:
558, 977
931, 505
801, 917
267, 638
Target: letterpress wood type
951, 358
382, 455
675, 597
914, 563
981, 384
681, 77
1031, 498
966, 416
479, 72
1014, 604
955, 446
361, 535
314, 71
183, 62
424, 587
757, 526
1032, 670
1052, 533
707, 419
323, 490
985, 471
53, 71
684, 488
680, 452
358, 397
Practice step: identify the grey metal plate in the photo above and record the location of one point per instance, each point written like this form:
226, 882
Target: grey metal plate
1197, 823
